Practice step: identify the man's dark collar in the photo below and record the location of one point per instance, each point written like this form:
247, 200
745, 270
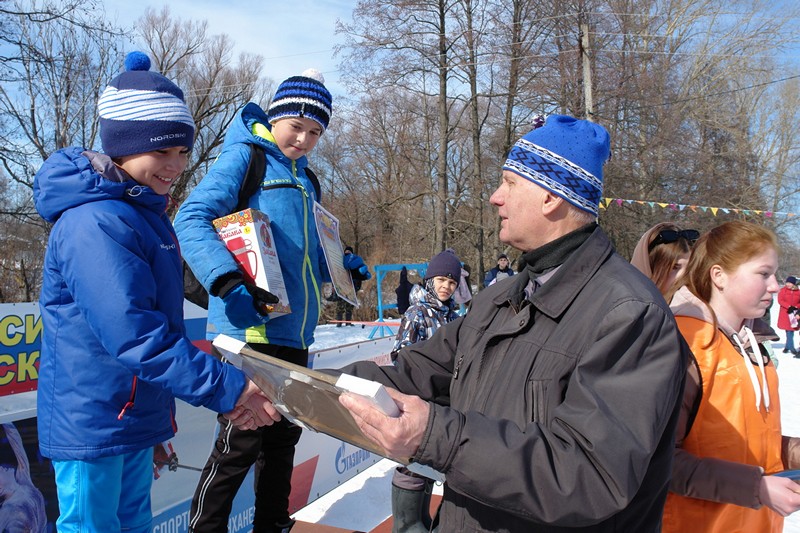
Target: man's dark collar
554, 253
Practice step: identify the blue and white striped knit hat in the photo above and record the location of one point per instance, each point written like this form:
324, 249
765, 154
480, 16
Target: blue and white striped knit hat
302, 96
566, 157
142, 111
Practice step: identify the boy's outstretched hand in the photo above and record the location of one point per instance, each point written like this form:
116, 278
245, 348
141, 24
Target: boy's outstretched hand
399, 436
253, 409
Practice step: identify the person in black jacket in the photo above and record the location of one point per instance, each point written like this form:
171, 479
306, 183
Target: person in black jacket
552, 405
403, 292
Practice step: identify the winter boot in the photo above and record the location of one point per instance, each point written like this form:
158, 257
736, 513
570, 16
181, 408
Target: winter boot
284, 527
411, 500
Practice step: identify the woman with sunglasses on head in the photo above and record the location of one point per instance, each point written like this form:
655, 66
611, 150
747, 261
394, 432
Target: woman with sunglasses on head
728, 443
662, 253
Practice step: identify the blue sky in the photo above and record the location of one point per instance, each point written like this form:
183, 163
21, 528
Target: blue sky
291, 35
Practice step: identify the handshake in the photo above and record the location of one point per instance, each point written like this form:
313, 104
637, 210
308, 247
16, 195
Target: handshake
253, 409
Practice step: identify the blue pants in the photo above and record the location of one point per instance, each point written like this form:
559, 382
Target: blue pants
789, 341
105, 495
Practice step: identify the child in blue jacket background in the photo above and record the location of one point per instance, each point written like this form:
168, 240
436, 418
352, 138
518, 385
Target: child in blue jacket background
114, 348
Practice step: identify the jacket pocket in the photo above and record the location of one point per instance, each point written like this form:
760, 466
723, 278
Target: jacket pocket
537, 408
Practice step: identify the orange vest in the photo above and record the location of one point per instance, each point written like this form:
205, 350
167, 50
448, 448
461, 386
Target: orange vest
729, 427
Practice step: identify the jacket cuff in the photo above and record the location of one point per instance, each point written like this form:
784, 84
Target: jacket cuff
734, 485
223, 284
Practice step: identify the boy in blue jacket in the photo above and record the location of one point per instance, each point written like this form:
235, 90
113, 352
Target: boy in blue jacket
114, 350
287, 132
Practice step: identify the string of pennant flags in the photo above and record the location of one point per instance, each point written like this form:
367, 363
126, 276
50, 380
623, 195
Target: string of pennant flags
605, 203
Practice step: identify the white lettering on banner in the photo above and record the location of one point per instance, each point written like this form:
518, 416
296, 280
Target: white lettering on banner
240, 521
176, 524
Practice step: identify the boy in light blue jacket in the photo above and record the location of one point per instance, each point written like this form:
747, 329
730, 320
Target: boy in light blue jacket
287, 132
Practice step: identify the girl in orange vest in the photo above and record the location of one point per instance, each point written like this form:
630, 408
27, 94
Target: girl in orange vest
728, 441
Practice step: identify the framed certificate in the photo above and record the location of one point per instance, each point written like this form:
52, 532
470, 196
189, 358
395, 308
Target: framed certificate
328, 230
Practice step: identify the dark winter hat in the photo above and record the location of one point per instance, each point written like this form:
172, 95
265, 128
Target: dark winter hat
444, 264
502, 256
566, 157
142, 111
348, 249
302, 96
791, 279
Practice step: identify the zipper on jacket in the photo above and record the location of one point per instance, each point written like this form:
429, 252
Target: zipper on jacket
458, 366
129, 403
306, 260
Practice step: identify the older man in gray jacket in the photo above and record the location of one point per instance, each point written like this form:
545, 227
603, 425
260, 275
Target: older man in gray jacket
551, 405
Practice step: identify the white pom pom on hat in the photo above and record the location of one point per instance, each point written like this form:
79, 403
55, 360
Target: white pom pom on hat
314, 74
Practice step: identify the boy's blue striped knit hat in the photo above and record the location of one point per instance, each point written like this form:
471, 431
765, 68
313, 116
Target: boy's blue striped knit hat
142, 111
566, 157
302, 96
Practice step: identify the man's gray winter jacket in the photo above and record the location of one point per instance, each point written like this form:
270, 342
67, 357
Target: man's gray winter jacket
562, 408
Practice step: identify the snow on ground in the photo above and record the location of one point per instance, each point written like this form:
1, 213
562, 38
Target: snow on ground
364, 501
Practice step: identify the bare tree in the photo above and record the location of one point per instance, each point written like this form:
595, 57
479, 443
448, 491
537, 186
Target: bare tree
56, 66
404, 44
48, 99
214, 86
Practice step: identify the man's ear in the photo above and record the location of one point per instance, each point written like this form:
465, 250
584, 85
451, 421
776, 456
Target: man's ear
551, 202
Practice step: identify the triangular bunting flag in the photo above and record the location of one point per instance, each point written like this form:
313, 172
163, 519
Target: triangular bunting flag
714, 210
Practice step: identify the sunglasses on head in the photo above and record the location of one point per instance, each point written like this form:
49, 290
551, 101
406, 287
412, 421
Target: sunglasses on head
670, 235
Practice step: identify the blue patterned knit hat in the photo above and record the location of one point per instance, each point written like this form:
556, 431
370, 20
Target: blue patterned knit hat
142, 111
566, 157
302, 96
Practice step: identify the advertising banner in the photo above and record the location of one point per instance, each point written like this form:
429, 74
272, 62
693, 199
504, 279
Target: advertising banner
321, 462
20, 338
